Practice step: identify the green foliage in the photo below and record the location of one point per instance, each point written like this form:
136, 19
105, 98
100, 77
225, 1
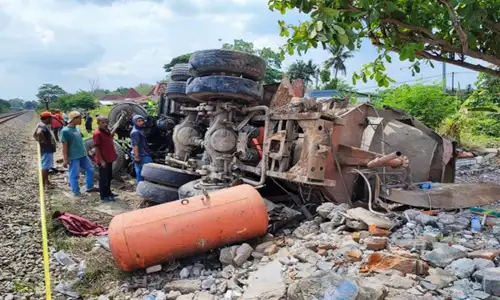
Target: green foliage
273, 59
428, 103
302, 70
80, 100
337, 84
444, 30
177, 60
121, 90
4, 106
16, 103
152, 108
30, 104
337, 60
143, 88
50, 92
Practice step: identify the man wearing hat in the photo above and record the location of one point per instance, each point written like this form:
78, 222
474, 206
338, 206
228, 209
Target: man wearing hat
75, 154
43, 134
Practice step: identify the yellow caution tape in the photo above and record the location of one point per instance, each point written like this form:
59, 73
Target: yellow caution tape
45, 244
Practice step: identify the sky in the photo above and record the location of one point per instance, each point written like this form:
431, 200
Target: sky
126, 42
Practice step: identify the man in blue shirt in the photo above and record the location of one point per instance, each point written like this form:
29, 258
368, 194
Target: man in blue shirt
140, 148
75, 154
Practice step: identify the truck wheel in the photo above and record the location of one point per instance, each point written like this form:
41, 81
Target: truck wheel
132, 109
180, 72
218, 87
194, 188
167, 175
156, 193
218, 61
176, 91
118, 164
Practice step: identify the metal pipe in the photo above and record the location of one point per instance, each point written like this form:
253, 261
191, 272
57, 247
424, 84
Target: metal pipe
385, 160
263, 161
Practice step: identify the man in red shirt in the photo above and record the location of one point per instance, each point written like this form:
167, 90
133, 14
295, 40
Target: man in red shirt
105, 155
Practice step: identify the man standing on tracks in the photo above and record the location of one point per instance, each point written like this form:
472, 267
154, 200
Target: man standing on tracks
75, 155
57, 124
45, 137
105, 155
140, 148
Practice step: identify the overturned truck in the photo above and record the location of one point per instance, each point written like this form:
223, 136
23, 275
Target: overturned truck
235, 133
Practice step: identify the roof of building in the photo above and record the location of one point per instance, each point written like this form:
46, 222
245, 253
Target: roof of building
158, 89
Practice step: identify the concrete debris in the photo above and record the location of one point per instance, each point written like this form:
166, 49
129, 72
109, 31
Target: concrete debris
266, 283
491, 281
242, 254
185, 286
461, 268
443, 256
325, 209
369, 218
153, 269
440, 277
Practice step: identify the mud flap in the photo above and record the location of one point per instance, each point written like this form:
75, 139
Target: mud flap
447, 196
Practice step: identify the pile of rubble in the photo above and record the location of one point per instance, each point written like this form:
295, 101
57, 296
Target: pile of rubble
350, 252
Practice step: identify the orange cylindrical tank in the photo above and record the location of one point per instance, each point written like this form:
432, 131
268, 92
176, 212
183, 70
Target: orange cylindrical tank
146, 237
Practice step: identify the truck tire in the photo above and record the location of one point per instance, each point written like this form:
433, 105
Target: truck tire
167, 175
176, 91
156, 193
118, 164
194, 188
219, 61
180, 72
132, 109
218, 87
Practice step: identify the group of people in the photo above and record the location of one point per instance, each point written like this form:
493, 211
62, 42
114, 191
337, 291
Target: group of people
75, 155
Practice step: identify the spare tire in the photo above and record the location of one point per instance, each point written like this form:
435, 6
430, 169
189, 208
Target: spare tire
132, 109
167, 175
218, 87
176, 91
118, 164
180, 72
156, 193
219, 61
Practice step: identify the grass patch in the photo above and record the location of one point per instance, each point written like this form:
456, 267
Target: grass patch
23, 287
101, 110
99, 273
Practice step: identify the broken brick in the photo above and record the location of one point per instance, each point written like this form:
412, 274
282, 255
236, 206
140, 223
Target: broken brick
384, 262
326, 246
375, 231
355, 253
490, 254
322, 252
356, 237
273, 249
376, 244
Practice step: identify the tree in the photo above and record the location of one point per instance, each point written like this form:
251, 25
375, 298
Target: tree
49, 92
4, 106
16, 103
177, 60
84, 100
337, 60
302, 70
443, 30
143, 88
30, 104
337, 84
121, 90
427, 103
273, 59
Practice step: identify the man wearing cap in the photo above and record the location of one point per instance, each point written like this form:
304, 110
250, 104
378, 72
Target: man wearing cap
43, 134
140, 148
105, 155
75, 155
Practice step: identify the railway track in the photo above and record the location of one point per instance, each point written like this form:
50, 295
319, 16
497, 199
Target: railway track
9, 116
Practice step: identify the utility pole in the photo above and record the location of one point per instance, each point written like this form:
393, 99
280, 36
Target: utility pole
444, 77
453, 82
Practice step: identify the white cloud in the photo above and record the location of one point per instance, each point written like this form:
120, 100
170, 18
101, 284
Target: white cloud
126, 42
